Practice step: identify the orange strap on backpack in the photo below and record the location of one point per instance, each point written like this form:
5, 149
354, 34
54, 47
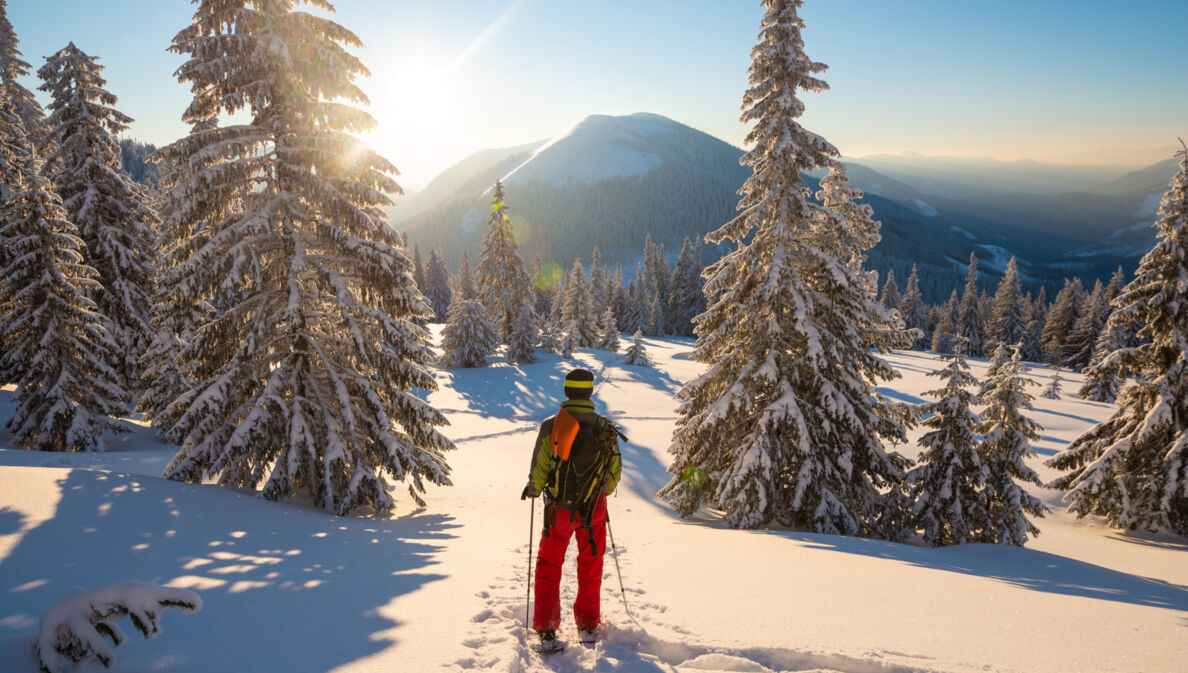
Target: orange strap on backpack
565, 430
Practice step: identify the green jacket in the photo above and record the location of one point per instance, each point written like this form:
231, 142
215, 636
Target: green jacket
542, 456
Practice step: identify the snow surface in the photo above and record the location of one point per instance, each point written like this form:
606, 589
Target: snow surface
288, 588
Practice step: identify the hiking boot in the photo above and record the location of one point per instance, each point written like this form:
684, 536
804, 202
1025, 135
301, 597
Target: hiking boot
547, 642
587, 636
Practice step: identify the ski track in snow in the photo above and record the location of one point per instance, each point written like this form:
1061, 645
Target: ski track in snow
500, 640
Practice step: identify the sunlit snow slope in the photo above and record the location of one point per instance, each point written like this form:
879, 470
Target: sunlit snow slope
289, 588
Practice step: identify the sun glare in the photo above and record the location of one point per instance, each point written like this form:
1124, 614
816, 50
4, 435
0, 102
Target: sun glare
408, 101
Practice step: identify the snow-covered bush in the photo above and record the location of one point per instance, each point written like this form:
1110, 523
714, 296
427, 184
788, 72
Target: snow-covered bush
78, 625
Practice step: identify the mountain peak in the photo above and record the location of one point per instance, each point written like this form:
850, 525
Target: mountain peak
604, 147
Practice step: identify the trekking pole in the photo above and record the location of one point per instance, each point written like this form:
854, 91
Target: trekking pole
619, 571
528, 599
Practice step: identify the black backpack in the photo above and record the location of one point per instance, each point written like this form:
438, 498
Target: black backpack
578, 477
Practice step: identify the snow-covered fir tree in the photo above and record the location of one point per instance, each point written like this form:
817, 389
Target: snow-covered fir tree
1082, 339
550, 338
913, 312
305, 380
687, 300
578, 308
969, 324
946, 328
620, 294
986, 315
655, 321
24, 104
843, 214
636, 354
943, 487
1006, 443
890, 296
1032, 342
1052, 390
1132, 468
1063, 314
544, 284
419, 269
113, 213
635, 317
503, 282
469, 337
1001, 356
521, 342
1104, 375
55, 344
437, 286
14, 149
1008, 321
783, 427
609, 332
177, 314
653, 279
1116, 285
1039, 308
464, 286
598, 282
571, 339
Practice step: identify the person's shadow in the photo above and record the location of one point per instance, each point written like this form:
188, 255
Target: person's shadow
285, 588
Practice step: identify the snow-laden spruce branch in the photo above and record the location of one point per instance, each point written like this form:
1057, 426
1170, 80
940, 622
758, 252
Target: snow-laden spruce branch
79, 624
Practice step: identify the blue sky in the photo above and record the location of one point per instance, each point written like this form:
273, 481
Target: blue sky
1050, 80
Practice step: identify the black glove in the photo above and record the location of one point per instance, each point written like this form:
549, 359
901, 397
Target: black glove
529, 492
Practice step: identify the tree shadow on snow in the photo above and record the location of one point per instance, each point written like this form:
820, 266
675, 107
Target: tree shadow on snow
649, 376
643, 474
10, 520
900, 396
1025, 568
1049, 452
1154, 540
1083, 419
285, 588
509, 391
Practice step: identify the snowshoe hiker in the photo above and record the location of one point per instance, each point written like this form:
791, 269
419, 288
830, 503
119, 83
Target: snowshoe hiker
575, 464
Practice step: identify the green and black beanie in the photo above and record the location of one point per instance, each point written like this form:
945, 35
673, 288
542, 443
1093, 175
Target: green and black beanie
579, 384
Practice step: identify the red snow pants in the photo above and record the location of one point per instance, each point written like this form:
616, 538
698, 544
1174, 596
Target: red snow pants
586, 610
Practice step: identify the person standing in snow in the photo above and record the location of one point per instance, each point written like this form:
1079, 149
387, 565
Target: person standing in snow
575, 464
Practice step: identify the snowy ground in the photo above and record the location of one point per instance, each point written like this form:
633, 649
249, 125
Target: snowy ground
288, 588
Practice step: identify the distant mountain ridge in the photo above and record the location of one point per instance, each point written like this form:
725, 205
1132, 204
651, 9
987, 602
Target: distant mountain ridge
611, 180
606, 183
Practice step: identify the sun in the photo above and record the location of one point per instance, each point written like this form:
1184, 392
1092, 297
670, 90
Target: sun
409, 102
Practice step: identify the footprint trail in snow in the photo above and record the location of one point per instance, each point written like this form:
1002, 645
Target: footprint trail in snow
499, 641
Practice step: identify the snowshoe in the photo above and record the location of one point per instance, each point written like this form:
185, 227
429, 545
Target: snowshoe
587, 637
547, 643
